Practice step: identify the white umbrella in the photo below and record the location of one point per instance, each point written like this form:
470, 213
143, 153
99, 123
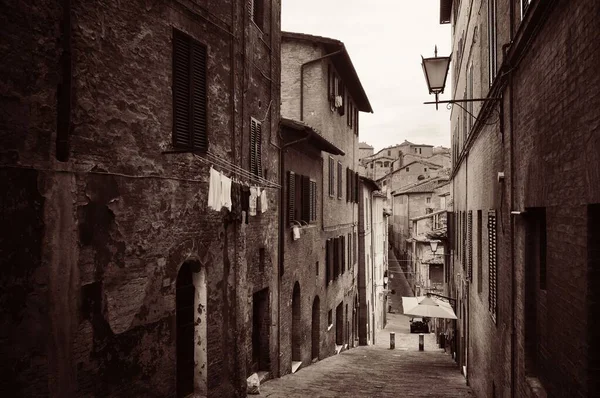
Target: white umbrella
427, 307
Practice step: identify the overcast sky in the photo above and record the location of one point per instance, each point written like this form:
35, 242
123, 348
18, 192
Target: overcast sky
385, 40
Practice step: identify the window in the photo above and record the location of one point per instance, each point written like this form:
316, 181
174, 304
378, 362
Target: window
407, 169
384, 183
492, 38
419, 151
189, 93
425, 169
492, 258
255, 147
371, 165
317, 268
339, 181
302, 198
330, 318
479, 252
389, 153
356, 121
257, 12
415, 150
331, 177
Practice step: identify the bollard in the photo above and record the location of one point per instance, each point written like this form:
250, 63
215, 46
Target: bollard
421, 341
392, 340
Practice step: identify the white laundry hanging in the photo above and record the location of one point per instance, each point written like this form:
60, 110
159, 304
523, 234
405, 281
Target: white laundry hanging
214, 190
263, 201
226, 192
254, 192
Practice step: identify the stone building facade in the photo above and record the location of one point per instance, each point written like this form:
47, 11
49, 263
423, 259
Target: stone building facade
118, 279
524, 233
372, 261
321, 90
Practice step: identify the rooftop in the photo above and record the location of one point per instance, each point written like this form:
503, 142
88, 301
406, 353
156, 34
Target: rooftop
342, 63
424, 186
313, 136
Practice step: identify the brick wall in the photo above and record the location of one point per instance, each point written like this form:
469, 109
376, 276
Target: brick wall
549, 136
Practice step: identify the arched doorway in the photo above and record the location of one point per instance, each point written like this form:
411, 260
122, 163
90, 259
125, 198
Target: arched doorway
296, 325
316, 327
190, 299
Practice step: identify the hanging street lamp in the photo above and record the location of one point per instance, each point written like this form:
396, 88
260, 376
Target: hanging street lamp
436, 73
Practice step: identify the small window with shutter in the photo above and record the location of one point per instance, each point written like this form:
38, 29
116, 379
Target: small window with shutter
255, 147
189, 93
302, 199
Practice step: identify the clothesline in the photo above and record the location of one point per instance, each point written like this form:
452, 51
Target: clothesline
245, 177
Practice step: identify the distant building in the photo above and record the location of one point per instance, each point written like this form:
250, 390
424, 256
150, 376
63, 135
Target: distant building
364, 150
416, 200
373, 261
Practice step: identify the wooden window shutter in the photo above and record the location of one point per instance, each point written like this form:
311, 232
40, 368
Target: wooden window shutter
348, 180
331, 173
306, 199
470, 245
339, 182
329, 92
330, 259
343, 251
349, 243
327, 261
291, 196
336, 257
313, 201
492, 261
255, 147
189, 93
356, 187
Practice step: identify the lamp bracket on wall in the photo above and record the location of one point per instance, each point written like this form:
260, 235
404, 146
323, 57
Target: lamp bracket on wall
450, 103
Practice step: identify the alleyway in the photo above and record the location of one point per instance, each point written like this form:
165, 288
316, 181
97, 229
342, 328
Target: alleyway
377, 371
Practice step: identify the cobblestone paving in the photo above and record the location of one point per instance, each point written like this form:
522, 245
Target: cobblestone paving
377, 371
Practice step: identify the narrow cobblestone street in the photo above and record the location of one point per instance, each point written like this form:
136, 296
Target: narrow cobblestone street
377, 371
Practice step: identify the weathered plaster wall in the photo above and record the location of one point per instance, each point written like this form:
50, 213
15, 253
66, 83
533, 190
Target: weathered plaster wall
109, 232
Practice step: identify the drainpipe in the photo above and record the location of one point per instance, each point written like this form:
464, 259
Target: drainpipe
63, 94
302, 78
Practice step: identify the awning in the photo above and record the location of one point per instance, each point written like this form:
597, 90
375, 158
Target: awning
427, 306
